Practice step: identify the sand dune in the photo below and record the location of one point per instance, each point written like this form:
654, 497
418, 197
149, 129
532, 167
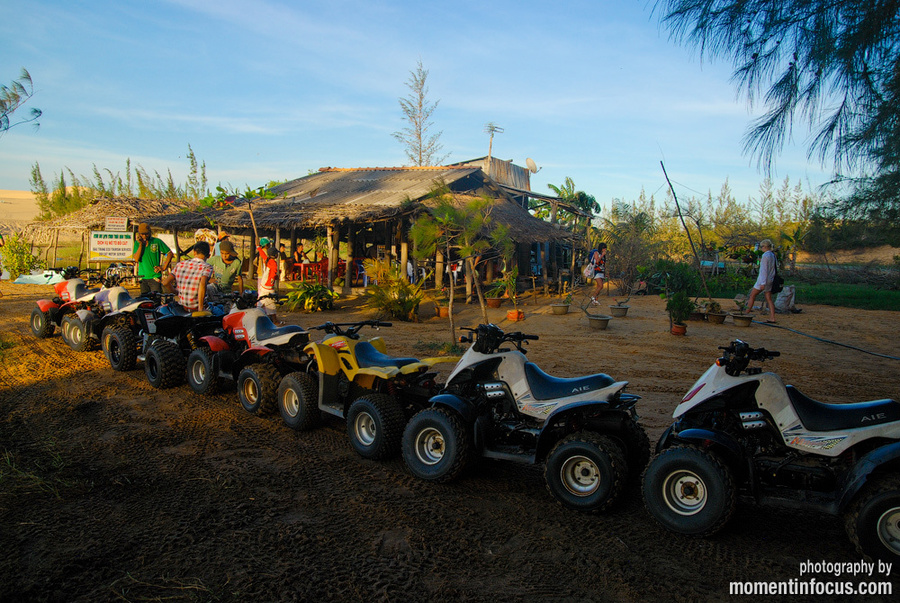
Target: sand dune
17, 205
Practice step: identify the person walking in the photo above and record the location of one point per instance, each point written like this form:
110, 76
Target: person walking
598, 263
191, 278
767, 264
152, 257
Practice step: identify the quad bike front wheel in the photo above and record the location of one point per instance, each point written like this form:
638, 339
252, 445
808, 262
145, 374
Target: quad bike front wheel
41, 325
164, 364
298, 401
873, 519
375, 426
203, 371
75, 333
120, 347
689, 491
257, 386
586, 472
436, 445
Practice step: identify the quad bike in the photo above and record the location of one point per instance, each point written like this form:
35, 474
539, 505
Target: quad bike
359, 382
742, 431
76, 306
251, 351
498, 405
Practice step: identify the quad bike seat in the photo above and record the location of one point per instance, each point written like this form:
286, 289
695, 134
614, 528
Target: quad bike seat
367, 356
820, 416
266, 329
545, 387
113, 299
82, 290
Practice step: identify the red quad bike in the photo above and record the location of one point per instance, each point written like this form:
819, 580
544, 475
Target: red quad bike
251, 351
740, 431
359, 382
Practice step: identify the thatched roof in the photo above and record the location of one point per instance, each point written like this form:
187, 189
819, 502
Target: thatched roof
363, 195
94, 216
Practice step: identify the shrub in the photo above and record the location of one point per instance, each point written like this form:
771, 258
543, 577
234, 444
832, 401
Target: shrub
391, 294
17, 258
310, 297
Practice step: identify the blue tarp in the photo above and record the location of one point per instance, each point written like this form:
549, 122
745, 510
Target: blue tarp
47, 277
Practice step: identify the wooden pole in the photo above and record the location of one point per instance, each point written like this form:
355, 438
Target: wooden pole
404, 249
348, 268
690, 239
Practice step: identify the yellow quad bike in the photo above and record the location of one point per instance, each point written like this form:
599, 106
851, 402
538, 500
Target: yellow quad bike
359, 382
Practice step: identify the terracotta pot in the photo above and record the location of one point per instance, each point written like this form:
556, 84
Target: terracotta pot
515, 315
678, 329
599, 322
742, 320
560, 308
442, 311
716, 318
493, 302
618, 311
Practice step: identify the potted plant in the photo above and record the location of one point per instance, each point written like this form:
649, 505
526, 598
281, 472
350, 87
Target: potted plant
714, 312
699, 311
562, 307
679, 306
441, 307
494, 297
597, 322
511, 281
620, 308
741, 318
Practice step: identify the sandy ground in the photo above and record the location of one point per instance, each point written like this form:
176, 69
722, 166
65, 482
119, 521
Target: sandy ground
111, 490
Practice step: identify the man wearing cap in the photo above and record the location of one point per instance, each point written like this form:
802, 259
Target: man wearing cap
152, 257
228, 268
191, 277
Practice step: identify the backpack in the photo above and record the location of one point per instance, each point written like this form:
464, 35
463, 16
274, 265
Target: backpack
590, 257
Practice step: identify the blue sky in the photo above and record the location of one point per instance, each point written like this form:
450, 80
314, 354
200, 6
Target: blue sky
593, 90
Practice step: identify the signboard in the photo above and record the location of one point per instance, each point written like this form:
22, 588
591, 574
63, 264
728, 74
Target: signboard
111, 246
116, 223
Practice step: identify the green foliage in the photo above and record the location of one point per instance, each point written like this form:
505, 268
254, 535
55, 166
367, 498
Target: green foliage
421, 148
729, 284
679, 306
669, 276
863, 297
17, 258
310, 297
507, 286
391, 294
14, 96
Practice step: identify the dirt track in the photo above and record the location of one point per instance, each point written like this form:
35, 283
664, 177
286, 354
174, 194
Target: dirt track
111, 490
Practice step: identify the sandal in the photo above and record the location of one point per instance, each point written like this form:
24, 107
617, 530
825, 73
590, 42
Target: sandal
771, 322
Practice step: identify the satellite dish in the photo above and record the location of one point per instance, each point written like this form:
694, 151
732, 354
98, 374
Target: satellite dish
532, 166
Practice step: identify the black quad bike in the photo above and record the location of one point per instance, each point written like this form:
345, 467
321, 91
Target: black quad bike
498, 405
740, 431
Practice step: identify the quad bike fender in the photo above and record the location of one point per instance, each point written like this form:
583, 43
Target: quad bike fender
325, 356
609, 420
380, 372
875, 460
46, 305
216, 344
378, 344
87, 318
460, 405
249, 356
430, 362
707, 438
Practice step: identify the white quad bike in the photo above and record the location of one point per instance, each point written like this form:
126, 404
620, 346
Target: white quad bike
742, 431
498, 405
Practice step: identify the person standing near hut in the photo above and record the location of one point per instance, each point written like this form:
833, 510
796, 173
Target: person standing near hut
267, 277
152, 257
227, 266
191, 278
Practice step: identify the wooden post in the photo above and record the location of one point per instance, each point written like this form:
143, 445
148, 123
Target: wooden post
438, 270
332, 234
545, 250
404, 249
348, 268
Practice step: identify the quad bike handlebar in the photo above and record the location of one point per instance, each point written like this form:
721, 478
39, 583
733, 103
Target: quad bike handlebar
738, 355
336, 328
489, 338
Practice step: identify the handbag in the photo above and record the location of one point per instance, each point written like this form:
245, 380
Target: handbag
777, 282
589, 271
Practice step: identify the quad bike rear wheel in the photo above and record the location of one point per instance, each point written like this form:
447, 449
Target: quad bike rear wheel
120, 347
41, 325
689, 491
203, 371
298, 401
75, 333
257, 387
586, 472
164, 364
375, 426
436, 445
636, 448
873, 519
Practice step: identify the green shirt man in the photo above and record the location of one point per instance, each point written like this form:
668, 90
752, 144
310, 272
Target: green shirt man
152, 256
227, 267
